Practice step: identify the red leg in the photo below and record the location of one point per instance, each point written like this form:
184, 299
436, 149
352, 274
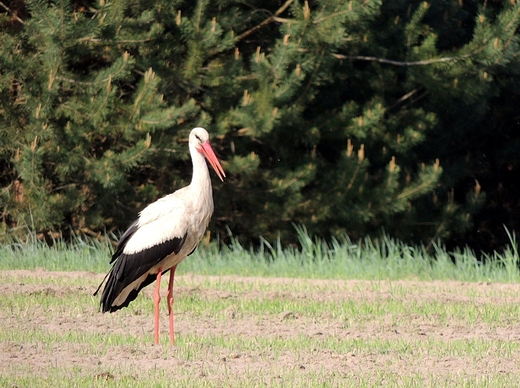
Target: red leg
156, 300
169, 298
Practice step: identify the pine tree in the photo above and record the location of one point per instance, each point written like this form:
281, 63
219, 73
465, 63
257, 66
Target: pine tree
80, 115
346, 117
456, 55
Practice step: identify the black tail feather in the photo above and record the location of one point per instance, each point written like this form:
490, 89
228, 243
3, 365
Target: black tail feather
114, 287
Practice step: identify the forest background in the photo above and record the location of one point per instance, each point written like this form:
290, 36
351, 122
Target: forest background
347, 117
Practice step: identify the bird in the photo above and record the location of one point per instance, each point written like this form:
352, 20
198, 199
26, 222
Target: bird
165, 233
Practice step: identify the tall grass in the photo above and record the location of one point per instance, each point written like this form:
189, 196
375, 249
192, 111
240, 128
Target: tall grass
78, 255
383, 258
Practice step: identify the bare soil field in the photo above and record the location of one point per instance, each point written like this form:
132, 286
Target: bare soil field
262, 330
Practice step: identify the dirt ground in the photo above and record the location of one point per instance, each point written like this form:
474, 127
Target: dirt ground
286, 325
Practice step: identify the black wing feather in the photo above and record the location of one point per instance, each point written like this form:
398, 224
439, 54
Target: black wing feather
129, 267
124, 239
119, 248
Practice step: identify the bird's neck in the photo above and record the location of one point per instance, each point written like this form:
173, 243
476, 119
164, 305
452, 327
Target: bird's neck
200, 180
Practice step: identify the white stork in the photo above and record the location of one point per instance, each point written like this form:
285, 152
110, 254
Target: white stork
165, 233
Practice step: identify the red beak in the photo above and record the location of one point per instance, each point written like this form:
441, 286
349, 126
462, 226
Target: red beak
213, 160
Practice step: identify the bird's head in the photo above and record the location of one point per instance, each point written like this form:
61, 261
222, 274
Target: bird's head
199, 139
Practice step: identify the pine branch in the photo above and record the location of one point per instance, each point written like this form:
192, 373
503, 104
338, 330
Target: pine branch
318, 63
405, 97
116, 41
11, 12
409, 194
73, 81
270, 19
408, 96
403, 63
110, 77
438, 232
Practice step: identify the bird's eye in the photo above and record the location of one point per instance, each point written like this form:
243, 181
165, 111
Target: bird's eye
198, 138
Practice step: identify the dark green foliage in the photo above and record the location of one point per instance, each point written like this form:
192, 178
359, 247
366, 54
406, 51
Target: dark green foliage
347, 117
79, 117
